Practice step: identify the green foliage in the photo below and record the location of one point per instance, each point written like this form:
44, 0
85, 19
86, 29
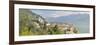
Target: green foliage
55, 30
29, 23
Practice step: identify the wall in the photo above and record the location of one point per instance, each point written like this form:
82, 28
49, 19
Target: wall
4, 23
85, 2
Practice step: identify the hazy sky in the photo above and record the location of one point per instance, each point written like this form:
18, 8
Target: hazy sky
56, 13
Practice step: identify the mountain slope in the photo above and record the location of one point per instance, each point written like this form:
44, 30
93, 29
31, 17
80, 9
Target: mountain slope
30, 23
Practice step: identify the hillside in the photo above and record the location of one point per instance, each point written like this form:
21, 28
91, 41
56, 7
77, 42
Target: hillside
30, 23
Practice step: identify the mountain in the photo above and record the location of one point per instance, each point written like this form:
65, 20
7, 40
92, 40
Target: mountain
70, 18
30, 23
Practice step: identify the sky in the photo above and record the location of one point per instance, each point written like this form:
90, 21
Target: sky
56, 13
